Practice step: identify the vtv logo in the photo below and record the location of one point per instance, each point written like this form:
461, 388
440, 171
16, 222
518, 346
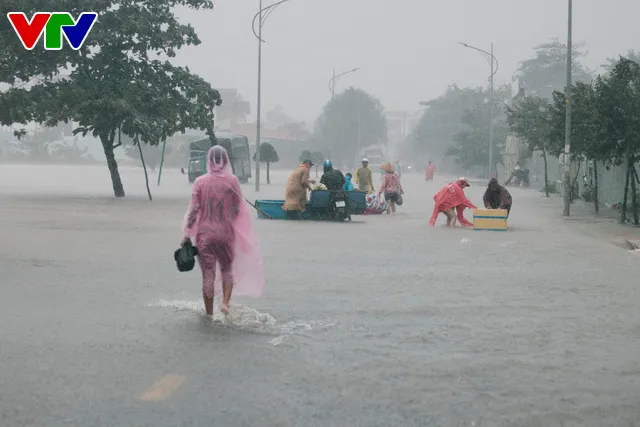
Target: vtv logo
54, 25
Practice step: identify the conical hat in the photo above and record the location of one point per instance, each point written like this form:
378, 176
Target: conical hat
387, 167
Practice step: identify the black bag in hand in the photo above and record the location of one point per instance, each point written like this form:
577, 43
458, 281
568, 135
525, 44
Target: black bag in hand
185, 257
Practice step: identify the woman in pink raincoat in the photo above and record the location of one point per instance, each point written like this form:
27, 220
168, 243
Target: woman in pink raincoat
228, 250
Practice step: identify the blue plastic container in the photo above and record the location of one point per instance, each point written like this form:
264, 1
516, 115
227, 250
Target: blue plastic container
320, 199
358, 202
272, 208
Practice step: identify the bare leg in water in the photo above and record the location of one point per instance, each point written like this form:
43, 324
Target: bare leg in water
208, 268
393, 207
208, 304
227, 289
451, 218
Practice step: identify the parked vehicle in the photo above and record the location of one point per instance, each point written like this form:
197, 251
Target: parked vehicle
237, 147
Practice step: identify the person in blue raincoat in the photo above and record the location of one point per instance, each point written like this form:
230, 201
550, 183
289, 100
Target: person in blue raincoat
348, 185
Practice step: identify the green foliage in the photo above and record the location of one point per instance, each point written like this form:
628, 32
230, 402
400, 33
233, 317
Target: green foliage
471, 144
618, 107
268, 153
530, 119
440, 122
352, 116
116, 85
546, 72
632, 55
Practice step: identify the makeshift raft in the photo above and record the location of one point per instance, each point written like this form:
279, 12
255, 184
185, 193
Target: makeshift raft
490, 219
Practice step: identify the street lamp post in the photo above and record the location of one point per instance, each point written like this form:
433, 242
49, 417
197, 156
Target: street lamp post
261, 17
493, 62
332, 89
567, 129
335, 78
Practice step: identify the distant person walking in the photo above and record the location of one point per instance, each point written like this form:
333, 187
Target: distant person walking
390, 186
431, 170
364, 177
228, 250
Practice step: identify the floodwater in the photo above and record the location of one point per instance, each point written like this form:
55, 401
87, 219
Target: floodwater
380, 322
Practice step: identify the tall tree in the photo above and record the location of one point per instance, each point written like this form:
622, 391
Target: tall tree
471, 145
441, 122
115, 88
530, 119
351, 121
618, 104
632, 55
587, 138
268, 155
546, 71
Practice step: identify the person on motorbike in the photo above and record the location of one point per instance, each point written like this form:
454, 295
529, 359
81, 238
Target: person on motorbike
332, 178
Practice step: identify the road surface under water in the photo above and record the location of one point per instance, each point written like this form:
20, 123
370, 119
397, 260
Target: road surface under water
384, 321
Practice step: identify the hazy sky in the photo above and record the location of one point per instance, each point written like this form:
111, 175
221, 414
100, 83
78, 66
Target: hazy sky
407, 49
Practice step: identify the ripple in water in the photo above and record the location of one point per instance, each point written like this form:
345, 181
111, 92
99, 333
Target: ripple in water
249, 319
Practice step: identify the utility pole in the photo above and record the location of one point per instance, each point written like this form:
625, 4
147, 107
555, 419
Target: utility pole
567, 128
259, 100
333, 84
491, 106
358, 124
493, 62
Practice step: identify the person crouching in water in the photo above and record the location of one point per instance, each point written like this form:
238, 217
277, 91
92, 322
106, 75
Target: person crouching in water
332, 178
449, 198
497, 197
220, 223
390, 186
348, 185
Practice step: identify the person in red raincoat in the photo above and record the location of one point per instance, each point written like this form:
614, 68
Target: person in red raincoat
449, 198
431, 169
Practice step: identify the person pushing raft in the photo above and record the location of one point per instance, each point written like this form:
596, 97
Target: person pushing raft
228, 250
449, 198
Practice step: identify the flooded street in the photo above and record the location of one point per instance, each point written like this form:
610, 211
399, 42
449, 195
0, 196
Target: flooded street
384, 321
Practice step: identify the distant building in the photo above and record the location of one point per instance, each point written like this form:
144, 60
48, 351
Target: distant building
233, 109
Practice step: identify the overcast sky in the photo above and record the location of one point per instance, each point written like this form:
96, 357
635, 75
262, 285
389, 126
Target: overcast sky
407, 49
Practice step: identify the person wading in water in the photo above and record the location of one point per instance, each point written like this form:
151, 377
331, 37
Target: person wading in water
228, 250
364, 177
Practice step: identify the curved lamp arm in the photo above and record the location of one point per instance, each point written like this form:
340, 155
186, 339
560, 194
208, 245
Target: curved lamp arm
488, 56
267, 9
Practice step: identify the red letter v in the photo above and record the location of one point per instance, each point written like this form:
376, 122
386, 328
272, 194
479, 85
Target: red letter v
28, 32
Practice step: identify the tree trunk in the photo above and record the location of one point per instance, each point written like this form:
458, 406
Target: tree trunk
573, 182
144, 167
623, 216
546, 172
107, 146
268, 174
634, 193
596, 188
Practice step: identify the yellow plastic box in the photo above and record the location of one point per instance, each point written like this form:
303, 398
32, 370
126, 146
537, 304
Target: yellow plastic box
490, 219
